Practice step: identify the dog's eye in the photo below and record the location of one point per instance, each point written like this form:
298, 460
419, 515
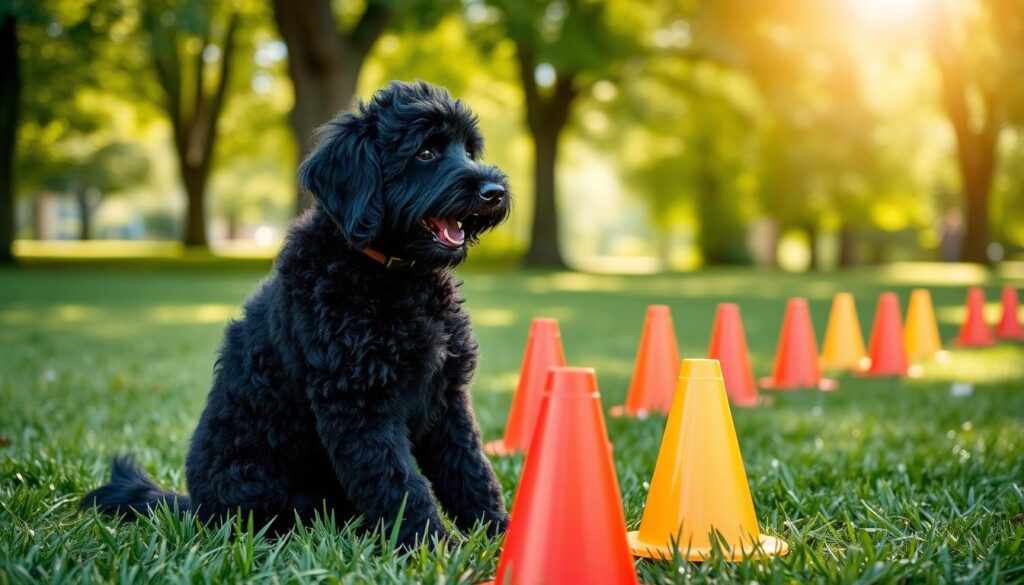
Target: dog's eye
426, 154
470, 154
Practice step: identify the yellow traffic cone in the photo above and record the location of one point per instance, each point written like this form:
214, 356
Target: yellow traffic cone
921, 333
699, 486
843, 349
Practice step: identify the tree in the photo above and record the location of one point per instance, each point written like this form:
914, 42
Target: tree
61, 40
980, 90
111, 168
324, 61
10, 95
819, 157
194, 83
561, 48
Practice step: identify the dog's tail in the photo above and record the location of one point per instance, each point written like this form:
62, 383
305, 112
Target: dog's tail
130, 490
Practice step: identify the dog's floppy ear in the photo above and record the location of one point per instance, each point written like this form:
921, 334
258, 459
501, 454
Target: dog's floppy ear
343, 174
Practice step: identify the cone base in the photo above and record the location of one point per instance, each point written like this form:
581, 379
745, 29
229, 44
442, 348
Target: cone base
619, 411
748, 403
498, 448
825, 385
910, 372
767, 546
970, 344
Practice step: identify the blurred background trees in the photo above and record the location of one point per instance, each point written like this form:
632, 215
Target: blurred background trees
666, 134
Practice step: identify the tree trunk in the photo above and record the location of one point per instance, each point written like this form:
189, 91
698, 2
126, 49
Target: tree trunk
194, 178
546, 116
812, 247
324, 64
977, 166
84, 214
544, 249
232, 225
720, 234
319, 96
975, 143
847, 243
195, 127
10, 91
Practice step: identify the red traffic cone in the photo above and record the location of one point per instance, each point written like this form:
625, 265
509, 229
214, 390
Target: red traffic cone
1009, 325
656, 368
796, 359
975, 332
729, 346
887, 352
543, 351
567, 523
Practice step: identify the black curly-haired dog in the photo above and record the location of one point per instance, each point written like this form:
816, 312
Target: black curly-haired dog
346, 384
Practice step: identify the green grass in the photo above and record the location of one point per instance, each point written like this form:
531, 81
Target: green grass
881, 481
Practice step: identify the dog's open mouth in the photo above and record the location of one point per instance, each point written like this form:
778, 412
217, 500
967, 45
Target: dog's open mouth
447, 231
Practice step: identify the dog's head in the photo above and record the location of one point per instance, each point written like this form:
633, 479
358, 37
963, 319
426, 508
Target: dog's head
402, 174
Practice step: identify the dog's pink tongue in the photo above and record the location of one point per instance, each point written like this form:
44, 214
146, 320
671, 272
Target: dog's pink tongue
448, 231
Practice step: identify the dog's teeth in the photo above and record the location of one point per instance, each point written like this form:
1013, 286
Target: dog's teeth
459, 223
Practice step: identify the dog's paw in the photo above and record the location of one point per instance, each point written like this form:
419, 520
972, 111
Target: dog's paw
498, 526
426, 534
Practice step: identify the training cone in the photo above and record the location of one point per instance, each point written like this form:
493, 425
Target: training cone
567, 523
921, 335
729, 346
886, 352
1009, 325
543, 351
843, 348
655, 369
975, 332
796, 359
699, 486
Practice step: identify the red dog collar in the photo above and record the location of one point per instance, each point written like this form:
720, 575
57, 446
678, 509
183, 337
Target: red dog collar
388, 261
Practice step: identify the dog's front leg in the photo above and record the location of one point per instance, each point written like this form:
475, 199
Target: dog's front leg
451, 453
372, 458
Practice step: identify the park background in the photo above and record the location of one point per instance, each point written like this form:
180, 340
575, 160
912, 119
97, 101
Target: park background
800, 133
685, 152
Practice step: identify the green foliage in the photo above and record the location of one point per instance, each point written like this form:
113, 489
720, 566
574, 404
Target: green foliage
881, 481
711, 113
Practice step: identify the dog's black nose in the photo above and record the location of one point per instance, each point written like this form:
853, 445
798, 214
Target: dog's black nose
491, 192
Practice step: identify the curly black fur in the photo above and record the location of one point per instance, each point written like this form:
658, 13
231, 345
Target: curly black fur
346, 384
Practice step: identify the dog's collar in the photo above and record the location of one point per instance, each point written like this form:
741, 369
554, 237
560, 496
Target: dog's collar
388, 261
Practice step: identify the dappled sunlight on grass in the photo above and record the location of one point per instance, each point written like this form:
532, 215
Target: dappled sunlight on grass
493, 318
956, 315
619, 264
74, 249
205, 313
74, 313
112, 322
934, 273
984, 365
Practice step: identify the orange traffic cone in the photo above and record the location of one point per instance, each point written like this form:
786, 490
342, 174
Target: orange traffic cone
843, 348
729, 346
567, 523
699, 486
655, 369
796, 359
921, 336
1009, 325
975, 332
886, 351
543, 351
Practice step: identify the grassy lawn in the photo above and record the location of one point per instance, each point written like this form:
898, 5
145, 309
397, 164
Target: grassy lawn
881, 481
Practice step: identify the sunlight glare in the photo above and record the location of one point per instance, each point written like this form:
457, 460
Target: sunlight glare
886, 12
